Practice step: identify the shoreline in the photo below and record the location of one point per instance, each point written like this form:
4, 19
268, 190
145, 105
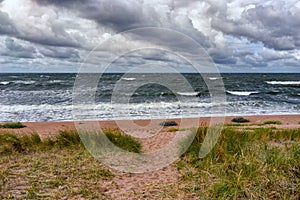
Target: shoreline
45, 129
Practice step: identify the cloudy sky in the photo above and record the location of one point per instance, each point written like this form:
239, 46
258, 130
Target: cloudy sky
237, 35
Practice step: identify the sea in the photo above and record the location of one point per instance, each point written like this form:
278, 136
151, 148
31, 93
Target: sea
50, 97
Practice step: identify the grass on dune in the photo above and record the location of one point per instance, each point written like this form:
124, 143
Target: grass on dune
273, 122
58, 173
10, 143
263, 164
54, 168
176, 129
268, 122
123, 141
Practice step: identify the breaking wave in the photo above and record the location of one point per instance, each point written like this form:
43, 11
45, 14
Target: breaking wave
242, 93
4, 83
283, 82
188, 93
128, 79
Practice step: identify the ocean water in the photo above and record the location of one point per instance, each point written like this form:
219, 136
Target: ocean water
49, 97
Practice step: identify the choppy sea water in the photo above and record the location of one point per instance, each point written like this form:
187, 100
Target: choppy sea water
49, 97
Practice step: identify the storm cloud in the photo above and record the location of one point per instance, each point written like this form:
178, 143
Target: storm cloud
16, 50
235, 33
6, 24
274, 26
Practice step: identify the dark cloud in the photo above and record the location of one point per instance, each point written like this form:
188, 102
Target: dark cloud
254, 60
222, 55
118, 15
275, 27
54, 35
16, 50
49, 40
122, 15
59, 2
271, 55
6, 24
61, 53
219, 59
281, 28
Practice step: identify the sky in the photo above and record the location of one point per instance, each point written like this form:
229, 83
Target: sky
65, 36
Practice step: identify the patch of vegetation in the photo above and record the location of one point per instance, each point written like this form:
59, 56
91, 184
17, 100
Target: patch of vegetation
272, 122
244, 165
12, 125
262, 163
261, 124
57, 173
168, 123
240, 120
10, 143
176, 129
237, 124
123, 141
55, 168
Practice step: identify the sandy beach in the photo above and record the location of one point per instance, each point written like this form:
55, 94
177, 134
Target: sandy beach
46, 129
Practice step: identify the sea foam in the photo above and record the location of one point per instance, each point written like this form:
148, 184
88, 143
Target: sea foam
283, 82
242, 93
4, 83
188, 93
128, 79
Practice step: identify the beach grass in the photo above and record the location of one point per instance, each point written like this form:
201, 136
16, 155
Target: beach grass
268, 122
10, 143
70, 173
123, 141
263, 164
176, 129
239, 124
54, 168
257, 163
273, 122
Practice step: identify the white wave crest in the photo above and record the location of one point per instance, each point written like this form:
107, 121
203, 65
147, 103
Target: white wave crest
56, 81
25, 82
283, 82
188, 93
128, 79
4, 83
242, 93
213, 78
